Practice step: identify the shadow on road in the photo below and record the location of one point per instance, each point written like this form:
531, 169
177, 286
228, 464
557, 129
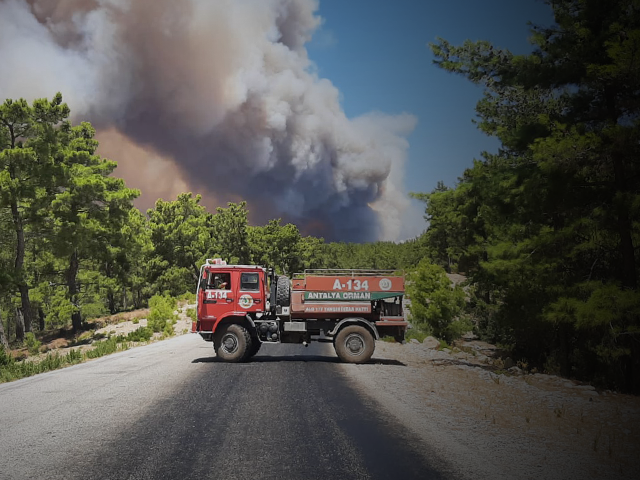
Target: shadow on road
386, 361
300, 358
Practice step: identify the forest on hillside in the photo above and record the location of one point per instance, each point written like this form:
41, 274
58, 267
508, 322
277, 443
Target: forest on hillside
74, 247
546, 229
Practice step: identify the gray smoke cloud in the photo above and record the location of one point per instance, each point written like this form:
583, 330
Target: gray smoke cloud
220, 95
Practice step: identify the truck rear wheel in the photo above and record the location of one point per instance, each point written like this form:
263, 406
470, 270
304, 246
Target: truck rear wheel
233, 344
354, 344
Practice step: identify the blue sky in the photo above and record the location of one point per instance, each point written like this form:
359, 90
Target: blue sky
375, 52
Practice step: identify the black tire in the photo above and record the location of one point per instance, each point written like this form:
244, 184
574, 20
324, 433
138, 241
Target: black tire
283, 292
354, 344
233, 344
255, 346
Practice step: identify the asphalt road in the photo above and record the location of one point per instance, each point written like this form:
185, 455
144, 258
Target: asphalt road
171, 410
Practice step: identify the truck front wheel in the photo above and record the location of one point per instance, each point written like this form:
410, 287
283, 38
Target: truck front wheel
255, 346
233, 344
354, 344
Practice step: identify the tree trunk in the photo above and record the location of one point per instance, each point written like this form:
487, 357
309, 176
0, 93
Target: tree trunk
627, 270
124, 298
4, 342
565, 364
621, 205
18, 266
19, 326
196, 271
112, 302
72, 286
625, 247
627, 254
137, 298
631, 368
41, 318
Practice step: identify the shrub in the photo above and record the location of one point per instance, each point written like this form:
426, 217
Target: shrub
142, 334
436, 304
168, 329
85, 336
162, 308
32, 343
5, 357
74, 356
50, 362
103, 348
58, 310
13, 370
418, 333
191, 313
188, 297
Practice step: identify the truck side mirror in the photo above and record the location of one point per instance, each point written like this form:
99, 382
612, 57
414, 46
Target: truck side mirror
203, 283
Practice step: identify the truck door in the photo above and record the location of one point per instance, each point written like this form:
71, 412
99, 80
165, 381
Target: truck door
219, 295
251, 291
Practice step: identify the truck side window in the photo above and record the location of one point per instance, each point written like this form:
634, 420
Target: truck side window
249, 282
220, 281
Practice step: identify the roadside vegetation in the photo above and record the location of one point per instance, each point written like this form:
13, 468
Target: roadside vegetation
12, 369
545, 231
160, 322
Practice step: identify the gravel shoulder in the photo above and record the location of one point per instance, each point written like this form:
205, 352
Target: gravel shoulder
503, 426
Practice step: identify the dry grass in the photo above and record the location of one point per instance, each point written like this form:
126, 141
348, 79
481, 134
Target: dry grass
123, 317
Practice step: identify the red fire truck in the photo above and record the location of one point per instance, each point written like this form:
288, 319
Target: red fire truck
242, 307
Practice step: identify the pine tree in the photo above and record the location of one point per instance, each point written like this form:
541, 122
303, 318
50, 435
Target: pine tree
88, 207
560, 201
181, 234
26, 164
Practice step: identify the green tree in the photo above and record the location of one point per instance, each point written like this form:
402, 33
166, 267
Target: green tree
4, 342
138, 252
559, 202
89, 206
230, 235
26, 165
181, 234
443, 225
276, 246
7, 240
122, 264
311, 253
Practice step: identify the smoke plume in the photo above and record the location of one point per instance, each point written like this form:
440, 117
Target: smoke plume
215, 96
